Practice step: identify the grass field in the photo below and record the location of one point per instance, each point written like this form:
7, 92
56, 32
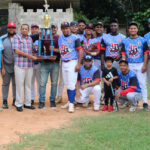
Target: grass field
111, 131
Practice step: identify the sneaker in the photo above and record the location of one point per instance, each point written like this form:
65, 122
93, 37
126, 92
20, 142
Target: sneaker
145, 107
41, 105
105, 108
132, 109
124, 105
85, 105
58, 99
5, 105
96, 108
65, 106
29, 107
52, 104
110, 108
71, 108
19, 109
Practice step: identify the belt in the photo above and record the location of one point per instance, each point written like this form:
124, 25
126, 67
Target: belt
69, 60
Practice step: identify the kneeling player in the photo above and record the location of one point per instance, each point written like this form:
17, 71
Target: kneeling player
130, 90
88, 83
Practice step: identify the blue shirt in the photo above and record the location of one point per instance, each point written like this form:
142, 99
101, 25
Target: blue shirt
1, 49
134, 49
113, 44
147, 37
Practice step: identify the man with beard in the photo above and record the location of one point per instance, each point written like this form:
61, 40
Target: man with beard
81, 29
8, 64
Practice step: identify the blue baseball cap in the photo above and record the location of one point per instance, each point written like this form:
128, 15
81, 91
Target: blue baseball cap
148, 20
73, 23
88, 57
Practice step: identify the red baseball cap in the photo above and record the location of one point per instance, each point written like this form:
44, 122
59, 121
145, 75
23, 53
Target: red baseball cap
34, 25
11, 24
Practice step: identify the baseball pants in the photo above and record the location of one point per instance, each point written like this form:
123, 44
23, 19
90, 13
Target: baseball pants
137, 67
84, 98
116, 65
35, 77
23, 79
148, 71
69, 74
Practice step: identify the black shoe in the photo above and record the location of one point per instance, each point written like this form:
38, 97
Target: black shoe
145, 106
19, 109
52, 104
29, 107
5, 105
41, 105
32, 102
13, 102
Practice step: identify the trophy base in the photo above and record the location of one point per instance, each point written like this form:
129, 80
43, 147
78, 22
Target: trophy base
47, 57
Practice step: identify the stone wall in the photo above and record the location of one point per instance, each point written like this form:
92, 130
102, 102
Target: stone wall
19, 16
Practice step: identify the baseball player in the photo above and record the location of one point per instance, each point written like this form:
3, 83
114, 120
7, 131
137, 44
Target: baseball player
74, 30
81, 29
113, 43
130, 91
147, 37
88, 83
135, 50
71, 55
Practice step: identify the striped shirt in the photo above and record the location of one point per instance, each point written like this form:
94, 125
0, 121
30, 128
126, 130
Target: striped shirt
25, 45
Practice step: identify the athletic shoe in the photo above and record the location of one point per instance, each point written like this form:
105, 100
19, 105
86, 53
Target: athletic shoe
58, 99
110, 108
19, 109
29, 107
145, 107
85, 105
71, 108
65, 106
105, 108
132, 109
124, 105
5, 105
52, 104
41, 105
96, 108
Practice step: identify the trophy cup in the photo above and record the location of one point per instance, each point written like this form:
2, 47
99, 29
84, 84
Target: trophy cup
42, 54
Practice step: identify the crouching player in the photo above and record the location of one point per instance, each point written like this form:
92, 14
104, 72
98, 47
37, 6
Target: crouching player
88, 83
130, 90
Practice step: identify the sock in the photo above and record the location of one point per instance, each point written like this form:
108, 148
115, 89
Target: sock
71, 95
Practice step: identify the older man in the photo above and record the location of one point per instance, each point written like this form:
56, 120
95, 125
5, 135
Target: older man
23, 46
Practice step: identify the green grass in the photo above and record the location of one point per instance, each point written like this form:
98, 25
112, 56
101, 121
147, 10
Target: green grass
111, 131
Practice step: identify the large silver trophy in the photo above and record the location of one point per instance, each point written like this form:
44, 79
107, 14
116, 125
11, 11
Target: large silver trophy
42, 54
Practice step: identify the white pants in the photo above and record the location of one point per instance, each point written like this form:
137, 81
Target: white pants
69, 74
96, 91
137, 67
23, 83
116, 65
148, 72
35, 76
61, 82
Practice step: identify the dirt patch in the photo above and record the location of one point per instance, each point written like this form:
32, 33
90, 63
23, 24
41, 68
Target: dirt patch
13, 123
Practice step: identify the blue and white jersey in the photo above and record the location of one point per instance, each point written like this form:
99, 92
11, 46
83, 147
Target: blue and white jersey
129, 81
68, 47
147, 37
134, 49
86, 76
113, 44
80, 36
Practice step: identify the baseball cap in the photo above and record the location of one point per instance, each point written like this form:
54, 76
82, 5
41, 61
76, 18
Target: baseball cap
73, 23
88, 57
54, 25
89, 26
133, 23
148, 20
34, 25
123, 60
11, 24
99, 23
65, 24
